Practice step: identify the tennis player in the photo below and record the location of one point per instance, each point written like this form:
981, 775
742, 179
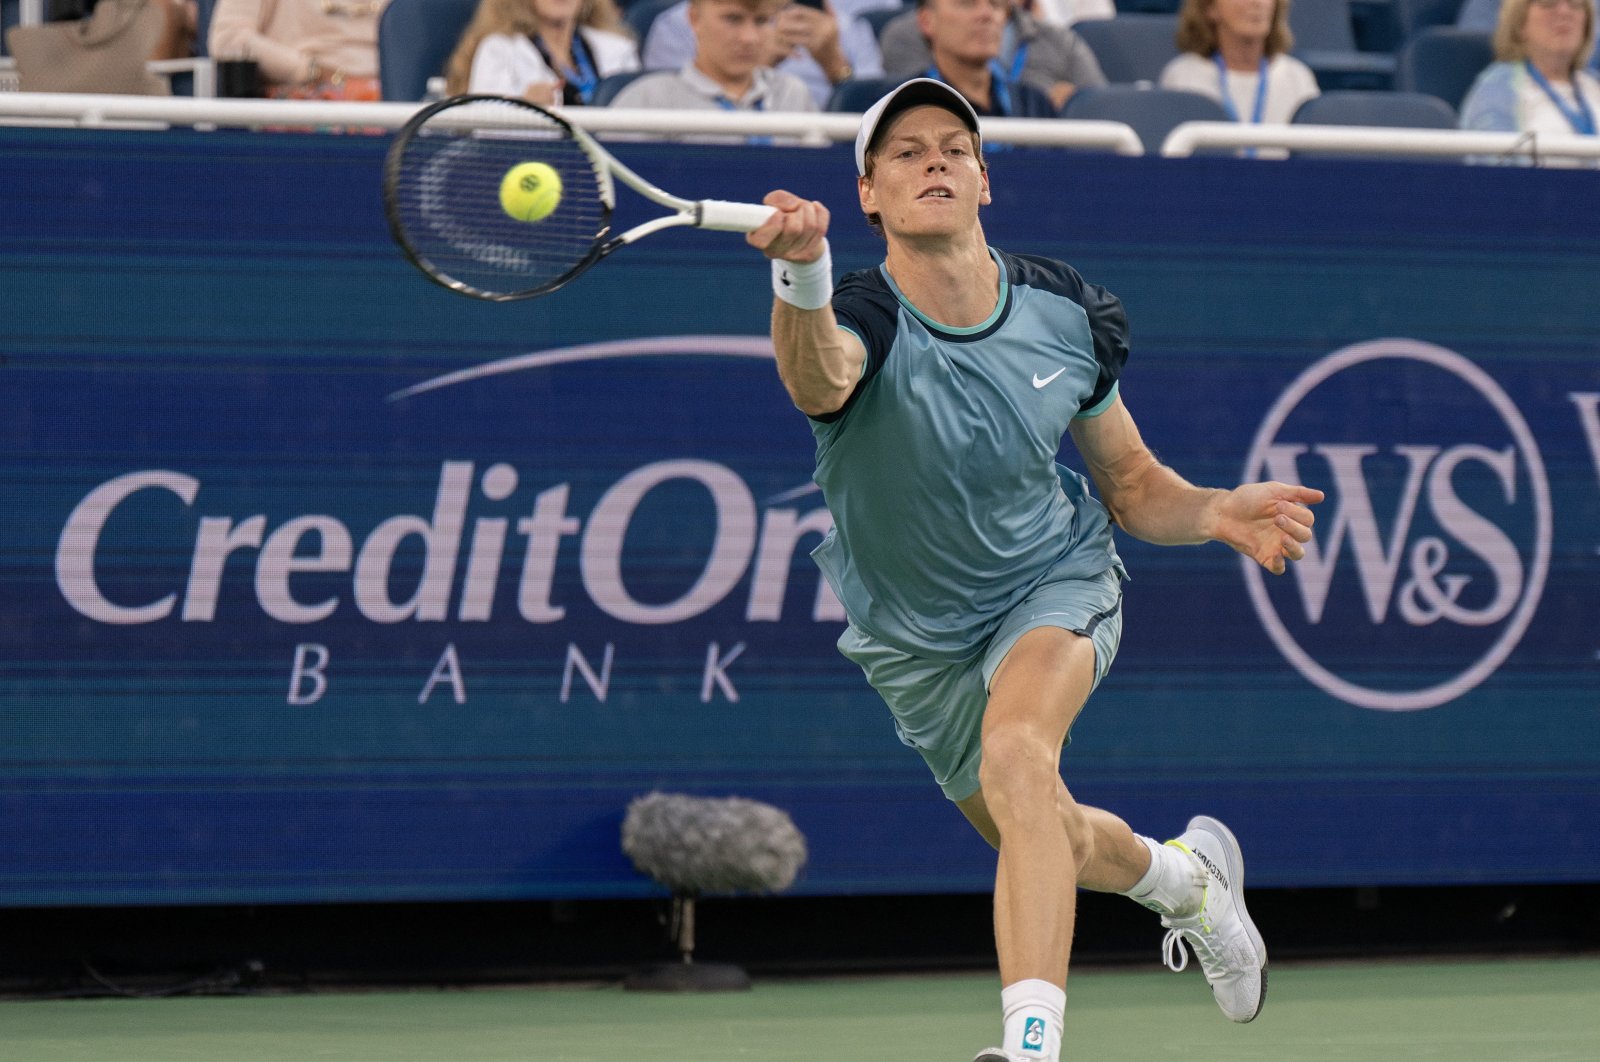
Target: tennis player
980, 578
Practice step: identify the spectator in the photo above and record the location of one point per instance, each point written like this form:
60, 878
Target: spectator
544, 51
734, 39
306, 49
1052, 59
963, 40
1537, 84
1237, 52
821, 45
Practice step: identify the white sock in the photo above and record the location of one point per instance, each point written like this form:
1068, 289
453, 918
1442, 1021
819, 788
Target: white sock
1174, 885
1033, 1012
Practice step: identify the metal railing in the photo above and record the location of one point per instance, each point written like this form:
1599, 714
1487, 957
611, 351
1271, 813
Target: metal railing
814, 129
1192, 137
806, 128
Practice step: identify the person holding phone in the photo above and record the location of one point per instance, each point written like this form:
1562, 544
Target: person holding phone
820, 42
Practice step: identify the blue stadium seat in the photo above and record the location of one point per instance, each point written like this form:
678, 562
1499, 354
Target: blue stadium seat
1152, 112
10, 15
1399, 110
415, 39
1325, 40
1415, 16
857, 94
606, 89
880, 17
1443, 61
1131, 48
641, 13
1148, 7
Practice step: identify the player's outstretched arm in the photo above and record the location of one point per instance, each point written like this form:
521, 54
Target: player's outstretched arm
1267, 522
819, 363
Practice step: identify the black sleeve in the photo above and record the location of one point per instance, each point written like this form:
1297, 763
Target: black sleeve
863, 303
1108, 323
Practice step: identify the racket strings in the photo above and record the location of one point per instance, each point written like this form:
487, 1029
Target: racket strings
445, 195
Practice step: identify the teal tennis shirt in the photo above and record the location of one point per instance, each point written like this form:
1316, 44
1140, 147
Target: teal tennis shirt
940, 471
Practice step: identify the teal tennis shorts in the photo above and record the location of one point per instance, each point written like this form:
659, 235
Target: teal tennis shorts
938, 706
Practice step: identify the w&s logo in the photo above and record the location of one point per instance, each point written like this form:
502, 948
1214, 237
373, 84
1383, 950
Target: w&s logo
1430, 553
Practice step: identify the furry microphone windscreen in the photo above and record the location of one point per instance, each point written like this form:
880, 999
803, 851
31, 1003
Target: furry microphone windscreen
697, 845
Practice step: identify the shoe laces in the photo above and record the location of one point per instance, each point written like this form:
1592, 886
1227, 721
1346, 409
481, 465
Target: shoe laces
1217, 954
1173, 954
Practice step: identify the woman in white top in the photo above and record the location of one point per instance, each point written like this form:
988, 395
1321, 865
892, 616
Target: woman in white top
1539, 84
544, 51
1237, 52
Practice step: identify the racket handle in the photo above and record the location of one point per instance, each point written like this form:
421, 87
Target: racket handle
731, 217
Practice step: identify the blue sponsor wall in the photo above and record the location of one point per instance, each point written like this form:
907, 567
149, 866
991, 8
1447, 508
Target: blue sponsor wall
318, 582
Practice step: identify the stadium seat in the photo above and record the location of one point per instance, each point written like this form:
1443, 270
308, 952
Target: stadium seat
641, 13
607, 88
1443, 61
1152, 112
415, 39
1325, 40
1415, 16
1131, 48
1400, 110
1148, 7
880, 17
857, 94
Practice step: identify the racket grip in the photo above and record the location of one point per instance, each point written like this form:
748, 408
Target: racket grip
731, 217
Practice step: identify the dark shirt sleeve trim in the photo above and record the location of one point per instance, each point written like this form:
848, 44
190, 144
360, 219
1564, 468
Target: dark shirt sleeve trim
865, 306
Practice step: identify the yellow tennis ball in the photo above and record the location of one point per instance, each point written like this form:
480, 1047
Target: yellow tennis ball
530, 191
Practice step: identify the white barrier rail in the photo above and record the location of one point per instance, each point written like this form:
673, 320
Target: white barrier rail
806, 128
1191, 137
813, 128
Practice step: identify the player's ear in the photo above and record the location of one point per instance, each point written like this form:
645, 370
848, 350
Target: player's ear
869, 198
984, 198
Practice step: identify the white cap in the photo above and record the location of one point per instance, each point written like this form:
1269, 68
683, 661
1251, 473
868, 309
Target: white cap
914, 93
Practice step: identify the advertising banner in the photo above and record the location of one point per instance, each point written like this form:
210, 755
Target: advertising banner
319, 582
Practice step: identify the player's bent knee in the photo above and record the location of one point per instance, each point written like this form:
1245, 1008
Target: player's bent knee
1017, 768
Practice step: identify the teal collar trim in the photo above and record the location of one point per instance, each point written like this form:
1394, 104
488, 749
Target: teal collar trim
951, 330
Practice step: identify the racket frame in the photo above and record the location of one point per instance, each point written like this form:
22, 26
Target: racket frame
714, 214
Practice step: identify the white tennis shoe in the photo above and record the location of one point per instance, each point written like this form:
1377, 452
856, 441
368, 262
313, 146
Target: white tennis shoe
1224, 939
997, 1054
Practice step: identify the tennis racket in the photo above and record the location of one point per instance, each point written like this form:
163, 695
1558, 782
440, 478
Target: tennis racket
442, 193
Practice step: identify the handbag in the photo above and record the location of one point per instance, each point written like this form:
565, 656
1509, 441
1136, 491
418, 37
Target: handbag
105, 52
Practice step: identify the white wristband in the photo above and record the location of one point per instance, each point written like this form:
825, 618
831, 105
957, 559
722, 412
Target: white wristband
804, 285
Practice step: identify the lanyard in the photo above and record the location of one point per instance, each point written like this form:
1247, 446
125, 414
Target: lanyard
999, 91
1227, 97
760, 105
1018, 60
1581, 118
579, 82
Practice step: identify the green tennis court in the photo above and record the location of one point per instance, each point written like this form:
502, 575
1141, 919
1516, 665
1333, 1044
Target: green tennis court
1512, 1010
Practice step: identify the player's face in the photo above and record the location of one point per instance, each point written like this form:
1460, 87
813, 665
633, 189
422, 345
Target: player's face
731, 39
966, 29
1249, 20
1555, 31
926, 179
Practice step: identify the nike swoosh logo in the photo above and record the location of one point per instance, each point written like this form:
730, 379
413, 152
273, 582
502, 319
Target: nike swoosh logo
1038, 383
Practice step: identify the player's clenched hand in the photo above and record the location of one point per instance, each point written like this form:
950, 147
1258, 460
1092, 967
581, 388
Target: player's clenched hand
794, 232
1268, 522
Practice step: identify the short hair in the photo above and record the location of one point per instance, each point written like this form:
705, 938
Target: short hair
1197, 34
1508, 44
870, 162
